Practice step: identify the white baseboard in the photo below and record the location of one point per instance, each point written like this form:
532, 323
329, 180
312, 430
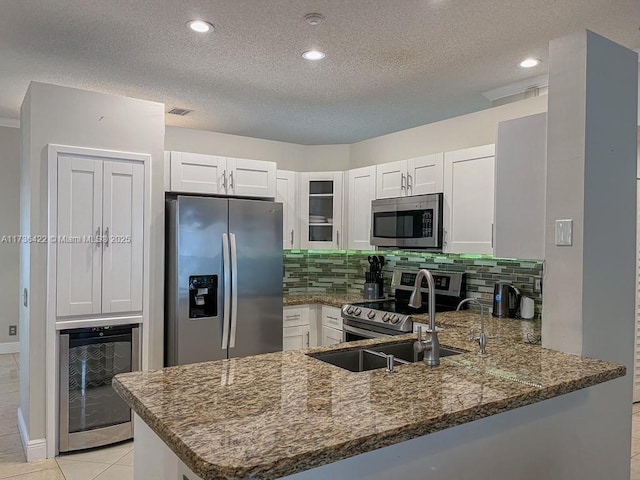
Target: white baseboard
9, 347
34, 450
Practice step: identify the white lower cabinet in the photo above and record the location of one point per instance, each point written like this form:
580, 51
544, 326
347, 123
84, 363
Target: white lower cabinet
299, 327
331, 336
331, 320
295, 338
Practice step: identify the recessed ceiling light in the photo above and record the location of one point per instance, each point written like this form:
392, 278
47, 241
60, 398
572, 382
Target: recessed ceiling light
529, 62
313, 55
314, 18
200, 26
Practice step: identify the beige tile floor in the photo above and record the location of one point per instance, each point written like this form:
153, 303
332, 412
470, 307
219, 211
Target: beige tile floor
115, 462
109, 463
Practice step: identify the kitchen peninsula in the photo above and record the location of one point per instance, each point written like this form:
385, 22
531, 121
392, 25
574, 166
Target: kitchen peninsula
519, 412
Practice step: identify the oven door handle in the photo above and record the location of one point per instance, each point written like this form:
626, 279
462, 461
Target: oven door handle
363, 333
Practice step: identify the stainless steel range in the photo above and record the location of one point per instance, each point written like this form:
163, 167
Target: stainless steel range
380, 318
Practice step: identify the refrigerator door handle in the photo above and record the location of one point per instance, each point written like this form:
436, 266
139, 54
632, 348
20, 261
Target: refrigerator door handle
226, 307
234, 290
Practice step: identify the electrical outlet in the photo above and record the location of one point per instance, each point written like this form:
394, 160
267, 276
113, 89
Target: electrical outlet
537, 285
13, 330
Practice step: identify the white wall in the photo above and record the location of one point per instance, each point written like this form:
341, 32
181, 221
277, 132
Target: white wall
67, 116
288, 156
9, 225
589, 287
466, 131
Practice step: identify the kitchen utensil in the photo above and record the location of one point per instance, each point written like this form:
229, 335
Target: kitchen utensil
527, 308
506, 300
371, 291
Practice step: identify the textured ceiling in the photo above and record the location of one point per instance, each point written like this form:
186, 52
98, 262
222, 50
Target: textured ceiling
390, 64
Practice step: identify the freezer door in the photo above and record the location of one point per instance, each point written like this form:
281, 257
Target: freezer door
195, 326
255, 233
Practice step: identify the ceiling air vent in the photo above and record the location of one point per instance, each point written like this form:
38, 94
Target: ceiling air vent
180, 111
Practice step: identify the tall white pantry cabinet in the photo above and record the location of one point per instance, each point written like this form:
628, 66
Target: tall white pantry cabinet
100, 227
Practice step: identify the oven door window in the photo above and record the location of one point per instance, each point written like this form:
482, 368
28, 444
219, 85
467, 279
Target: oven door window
404, 224
93, 362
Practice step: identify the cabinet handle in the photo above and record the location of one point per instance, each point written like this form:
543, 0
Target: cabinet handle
231, 180
98, 240
308, 343
492, 235
291, 238
402, 181
224, 180
409, 185
332, 318
106, 237
293, 316
338, 238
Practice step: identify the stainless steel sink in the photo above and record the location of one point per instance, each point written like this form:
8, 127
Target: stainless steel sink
364, 359
404, 351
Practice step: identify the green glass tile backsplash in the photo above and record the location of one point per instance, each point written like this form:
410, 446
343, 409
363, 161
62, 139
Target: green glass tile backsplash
342, 271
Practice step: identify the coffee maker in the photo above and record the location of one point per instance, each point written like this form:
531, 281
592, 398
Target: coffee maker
506, 300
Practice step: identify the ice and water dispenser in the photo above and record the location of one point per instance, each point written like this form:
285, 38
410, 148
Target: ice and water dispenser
203, 296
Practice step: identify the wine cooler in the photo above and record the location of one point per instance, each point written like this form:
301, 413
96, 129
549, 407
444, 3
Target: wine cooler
91, 412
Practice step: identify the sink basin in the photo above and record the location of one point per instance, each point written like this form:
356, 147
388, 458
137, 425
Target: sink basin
357, 360
364, 359
404, 351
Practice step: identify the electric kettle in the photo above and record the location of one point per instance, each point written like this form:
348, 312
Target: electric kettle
506, 300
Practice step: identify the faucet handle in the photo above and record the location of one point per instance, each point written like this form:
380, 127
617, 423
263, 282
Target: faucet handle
419, 332
418, 346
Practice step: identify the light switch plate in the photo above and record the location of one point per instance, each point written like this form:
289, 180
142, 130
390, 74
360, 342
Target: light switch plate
564, 232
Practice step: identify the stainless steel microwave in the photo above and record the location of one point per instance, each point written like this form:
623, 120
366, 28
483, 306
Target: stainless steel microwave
408, 222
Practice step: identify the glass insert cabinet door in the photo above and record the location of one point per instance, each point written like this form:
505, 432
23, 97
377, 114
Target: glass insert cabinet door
90, 410
323, 200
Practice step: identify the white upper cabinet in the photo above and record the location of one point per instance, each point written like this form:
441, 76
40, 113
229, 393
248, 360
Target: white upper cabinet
361, 190
425, 174
286, 193
391, 179
521, 157
251, 178
215, 175
469, 200
416, 176
321, 210
100, 211
122, 217
198, 173
79, 264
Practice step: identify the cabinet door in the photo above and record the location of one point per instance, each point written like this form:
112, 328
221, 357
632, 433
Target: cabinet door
469, 200
521, 158
361, 186
79, 249
251, 178
391, 180
295, 338
197, 173
286, 194
321, 210
331, 336
331, 317
424, 174
123, 250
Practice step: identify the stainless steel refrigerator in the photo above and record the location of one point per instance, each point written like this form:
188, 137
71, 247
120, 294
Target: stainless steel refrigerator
224, 271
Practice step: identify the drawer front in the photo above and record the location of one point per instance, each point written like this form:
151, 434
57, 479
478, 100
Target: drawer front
331, 317
295, 316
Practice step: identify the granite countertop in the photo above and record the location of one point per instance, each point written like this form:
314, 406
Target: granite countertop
277, 414
330, 299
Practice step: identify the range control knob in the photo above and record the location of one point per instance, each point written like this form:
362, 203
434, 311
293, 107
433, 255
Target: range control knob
350, 310
371, 314
394, 319
385, 317
357, 311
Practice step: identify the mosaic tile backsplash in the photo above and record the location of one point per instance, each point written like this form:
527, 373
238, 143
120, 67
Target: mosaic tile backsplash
342, 271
